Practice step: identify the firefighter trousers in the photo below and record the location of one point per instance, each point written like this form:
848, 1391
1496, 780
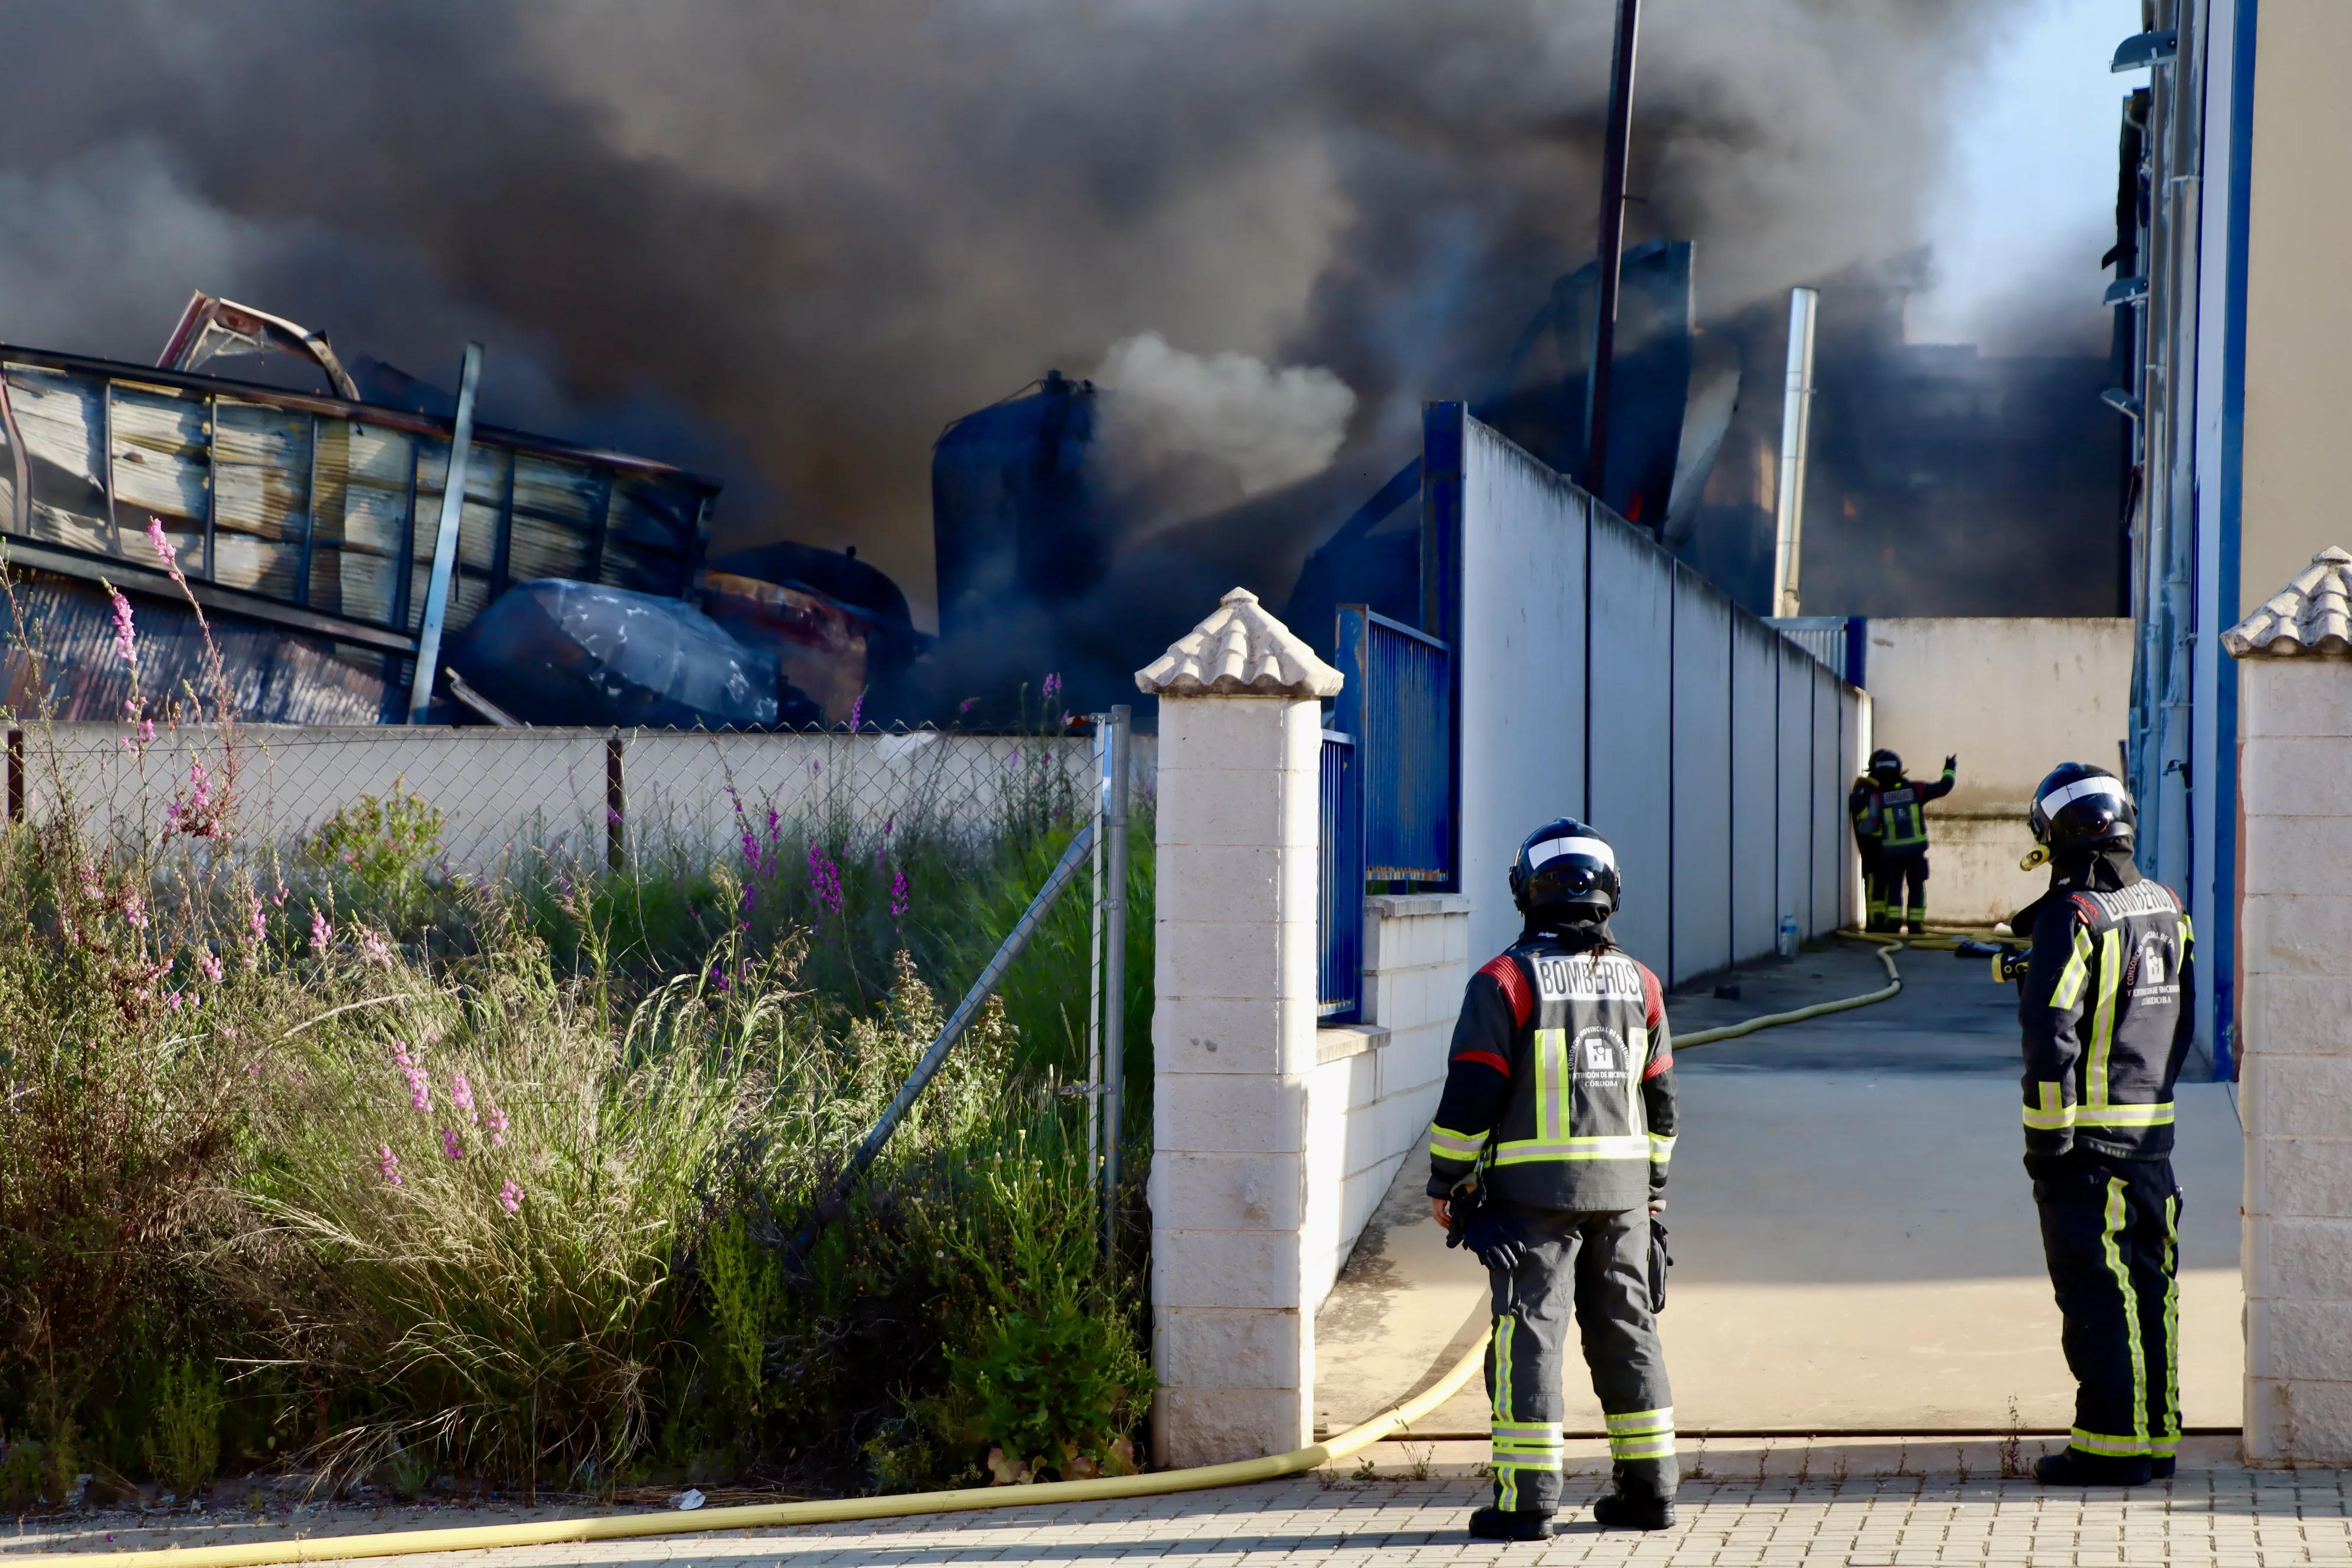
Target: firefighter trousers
1889, 877
2111, 1230
1596, 1265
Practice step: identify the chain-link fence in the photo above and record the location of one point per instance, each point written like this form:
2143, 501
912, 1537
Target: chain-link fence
514, 798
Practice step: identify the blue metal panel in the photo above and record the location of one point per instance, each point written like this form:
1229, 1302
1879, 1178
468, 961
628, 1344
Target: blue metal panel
1340, 967
1399, 698
1702, 779
1793, 829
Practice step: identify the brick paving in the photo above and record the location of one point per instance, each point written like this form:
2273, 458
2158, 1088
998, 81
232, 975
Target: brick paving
1883, 1503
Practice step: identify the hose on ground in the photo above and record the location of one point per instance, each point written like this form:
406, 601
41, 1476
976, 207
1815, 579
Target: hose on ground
1887, 947
833, 1511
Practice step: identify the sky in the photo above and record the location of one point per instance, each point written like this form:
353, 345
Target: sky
2027, 194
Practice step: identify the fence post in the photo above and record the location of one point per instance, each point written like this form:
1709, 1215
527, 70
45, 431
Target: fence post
16, 775
616, 806
1114, 976
1233, 1035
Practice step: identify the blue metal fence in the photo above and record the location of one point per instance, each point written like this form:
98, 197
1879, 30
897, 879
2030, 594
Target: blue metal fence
1340, 978
1399, 700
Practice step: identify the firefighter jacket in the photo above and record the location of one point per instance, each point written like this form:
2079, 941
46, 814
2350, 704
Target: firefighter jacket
1895, 815
2105, 1011
1560, 1089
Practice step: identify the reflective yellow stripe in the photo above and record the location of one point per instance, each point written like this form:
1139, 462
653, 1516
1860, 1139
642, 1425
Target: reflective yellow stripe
2077, 970
2051, 1115
2114, 1227
2103, 1443
1659, 1420
2124, 1116
1531, 1431
1551, 1082
1447, 1144
1997, 975
2102, 1018
1507, 1475
1528, 1152
2188, 935
1662, 1148
2167, 1438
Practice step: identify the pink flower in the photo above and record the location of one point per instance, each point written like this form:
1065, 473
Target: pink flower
858, 714
322, 933
134, 910
175, 1001
824, 879
1053, 689
164, 551
449, 1145
901, 896
461, 1095
126, 640
207, 960
255, 921
510, 1197
388, 1162
498, 1125
373, 945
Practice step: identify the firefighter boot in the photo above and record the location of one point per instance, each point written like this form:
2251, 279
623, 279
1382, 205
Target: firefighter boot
1511, 1524
1633, 1505
2074, 1467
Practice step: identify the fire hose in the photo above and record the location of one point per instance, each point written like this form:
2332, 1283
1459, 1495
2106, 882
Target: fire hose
834, 1510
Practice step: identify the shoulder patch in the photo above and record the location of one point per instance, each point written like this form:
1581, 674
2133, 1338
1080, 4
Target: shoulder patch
1653, 996
1505, 970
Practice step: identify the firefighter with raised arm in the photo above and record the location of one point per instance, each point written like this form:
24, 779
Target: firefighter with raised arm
2105, 1009
1548, 1161
1890, 827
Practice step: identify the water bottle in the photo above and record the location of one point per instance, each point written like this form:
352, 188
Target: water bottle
1788, 943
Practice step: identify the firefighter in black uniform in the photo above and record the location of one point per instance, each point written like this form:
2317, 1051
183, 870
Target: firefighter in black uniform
2105, 1006
1890, 823
1547, 1159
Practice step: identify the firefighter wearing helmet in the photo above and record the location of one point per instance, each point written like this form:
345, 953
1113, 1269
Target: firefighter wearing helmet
1890, 829
2105, 1006
1548, 1160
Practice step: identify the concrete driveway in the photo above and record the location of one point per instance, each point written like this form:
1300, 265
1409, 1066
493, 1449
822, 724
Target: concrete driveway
1853, 1233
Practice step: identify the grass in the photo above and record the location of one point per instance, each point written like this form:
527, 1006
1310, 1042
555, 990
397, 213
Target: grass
321, 1157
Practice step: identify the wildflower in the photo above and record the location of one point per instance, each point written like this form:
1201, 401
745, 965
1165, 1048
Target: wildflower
965, 706
498, 1124
813, 768
856, 712
901, 895
1053, 689
322, 933
420, 1089
175, 1001
824, 879
449, 1145
510, 1197
170, 557
209, 962
388, 1162
146, 731
461, 1095
373, 945
256, 921
134, 910
126, 640
718, 979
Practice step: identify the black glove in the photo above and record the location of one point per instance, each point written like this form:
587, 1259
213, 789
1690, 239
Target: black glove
1492, 1239
1660, 1260
1952, 762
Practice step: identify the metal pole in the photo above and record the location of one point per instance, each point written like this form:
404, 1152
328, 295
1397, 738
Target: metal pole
1796, 422
1612, 250
797, 1251
1114, 975
445, 540
1094, 1085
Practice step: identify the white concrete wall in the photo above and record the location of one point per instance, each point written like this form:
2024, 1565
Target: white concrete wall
1376, 1084
2014, 697
513, 796
1233, 1048
2295, 1038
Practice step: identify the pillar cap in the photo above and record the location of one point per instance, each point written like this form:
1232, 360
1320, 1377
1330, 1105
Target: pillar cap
2311, 615
1239, 651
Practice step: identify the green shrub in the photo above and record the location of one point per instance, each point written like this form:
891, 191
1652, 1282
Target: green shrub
184, 1447
384, 850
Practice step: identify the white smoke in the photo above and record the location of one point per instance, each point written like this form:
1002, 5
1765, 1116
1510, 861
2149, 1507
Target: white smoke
1185, 433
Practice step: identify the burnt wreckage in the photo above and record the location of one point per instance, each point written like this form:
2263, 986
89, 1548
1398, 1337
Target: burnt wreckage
305, 523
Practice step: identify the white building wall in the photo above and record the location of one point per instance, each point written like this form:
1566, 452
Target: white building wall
2014, 697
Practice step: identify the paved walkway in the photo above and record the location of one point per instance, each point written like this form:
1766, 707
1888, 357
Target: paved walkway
1879, 1503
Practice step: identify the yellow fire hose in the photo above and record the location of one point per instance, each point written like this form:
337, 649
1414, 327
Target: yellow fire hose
770, 1516
1887, 948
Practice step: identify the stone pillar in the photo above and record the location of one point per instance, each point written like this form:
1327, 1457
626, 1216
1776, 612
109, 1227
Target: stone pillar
1233, 1035
2294, 1016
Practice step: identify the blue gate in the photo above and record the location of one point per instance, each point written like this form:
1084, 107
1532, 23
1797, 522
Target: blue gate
1399, 703
1339, 924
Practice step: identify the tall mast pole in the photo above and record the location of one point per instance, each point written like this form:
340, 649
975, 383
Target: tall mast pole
1612, 247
